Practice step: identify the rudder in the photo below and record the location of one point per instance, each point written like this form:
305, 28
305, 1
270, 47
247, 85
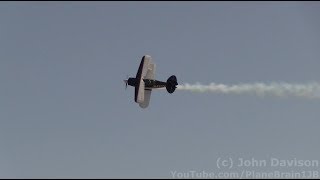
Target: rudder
171, 84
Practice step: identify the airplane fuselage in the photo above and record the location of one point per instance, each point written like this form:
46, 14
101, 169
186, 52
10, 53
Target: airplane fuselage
144, 82
148, 83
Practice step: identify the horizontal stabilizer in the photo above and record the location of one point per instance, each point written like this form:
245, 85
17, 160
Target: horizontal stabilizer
171, 84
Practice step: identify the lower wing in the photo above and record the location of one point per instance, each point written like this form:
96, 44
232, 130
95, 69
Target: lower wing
139, 92
147, 95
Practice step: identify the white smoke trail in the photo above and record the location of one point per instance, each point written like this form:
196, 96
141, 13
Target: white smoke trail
308, 90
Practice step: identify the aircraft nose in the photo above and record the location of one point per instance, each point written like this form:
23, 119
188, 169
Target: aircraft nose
126, 83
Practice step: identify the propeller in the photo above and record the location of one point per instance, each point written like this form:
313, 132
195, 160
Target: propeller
126, 82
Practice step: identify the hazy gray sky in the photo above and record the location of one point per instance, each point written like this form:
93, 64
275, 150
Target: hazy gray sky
64, 111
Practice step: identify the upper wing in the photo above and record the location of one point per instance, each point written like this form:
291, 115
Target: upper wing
151, 70
143, 67
147, 95
146, 71
142, 71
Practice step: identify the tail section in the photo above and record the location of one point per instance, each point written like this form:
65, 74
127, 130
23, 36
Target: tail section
171, 84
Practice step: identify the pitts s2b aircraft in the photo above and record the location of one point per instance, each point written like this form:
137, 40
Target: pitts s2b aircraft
144, 82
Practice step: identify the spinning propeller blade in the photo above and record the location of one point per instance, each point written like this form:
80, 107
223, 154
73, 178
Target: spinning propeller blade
126, 82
